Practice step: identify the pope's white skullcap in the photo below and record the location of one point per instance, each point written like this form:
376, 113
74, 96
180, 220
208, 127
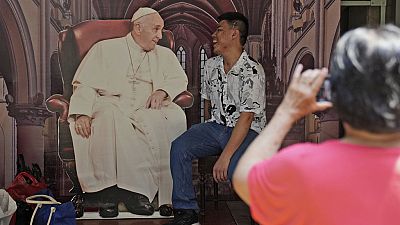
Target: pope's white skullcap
143, 11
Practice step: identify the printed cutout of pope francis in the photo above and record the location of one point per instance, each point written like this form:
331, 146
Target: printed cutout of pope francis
123, 120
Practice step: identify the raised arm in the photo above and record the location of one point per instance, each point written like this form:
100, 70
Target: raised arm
299, 101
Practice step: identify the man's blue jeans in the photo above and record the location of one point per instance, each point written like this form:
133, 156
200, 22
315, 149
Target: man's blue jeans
200, 140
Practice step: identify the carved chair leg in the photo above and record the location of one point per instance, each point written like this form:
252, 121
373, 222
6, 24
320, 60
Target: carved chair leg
78, 199
202, 194
73, 176
215, 194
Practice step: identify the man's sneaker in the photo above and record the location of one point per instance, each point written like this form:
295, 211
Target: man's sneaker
185, 217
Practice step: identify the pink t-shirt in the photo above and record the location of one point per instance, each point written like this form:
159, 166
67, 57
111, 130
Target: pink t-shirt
332, 183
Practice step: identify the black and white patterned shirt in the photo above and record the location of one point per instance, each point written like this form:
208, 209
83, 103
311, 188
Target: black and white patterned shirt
241, 90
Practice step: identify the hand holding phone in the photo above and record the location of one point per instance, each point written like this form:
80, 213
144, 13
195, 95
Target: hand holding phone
324, 94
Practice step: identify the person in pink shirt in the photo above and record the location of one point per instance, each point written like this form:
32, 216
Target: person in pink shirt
354, 180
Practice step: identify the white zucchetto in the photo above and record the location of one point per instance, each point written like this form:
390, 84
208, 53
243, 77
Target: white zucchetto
143, 11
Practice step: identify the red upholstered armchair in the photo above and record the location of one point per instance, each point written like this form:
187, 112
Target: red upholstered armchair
73, 44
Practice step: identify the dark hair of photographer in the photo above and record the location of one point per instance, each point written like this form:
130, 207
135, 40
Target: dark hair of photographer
365, 79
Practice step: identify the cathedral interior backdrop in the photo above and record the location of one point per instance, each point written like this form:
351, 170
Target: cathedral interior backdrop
282, 34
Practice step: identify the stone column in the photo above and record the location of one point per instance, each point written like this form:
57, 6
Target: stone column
30, 140
253, 46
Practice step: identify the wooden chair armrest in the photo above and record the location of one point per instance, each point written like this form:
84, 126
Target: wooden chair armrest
184, 99
57, 103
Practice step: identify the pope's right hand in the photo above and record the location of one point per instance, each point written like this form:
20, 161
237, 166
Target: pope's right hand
83, 125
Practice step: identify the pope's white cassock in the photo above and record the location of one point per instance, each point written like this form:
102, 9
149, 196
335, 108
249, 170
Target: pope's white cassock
129, 145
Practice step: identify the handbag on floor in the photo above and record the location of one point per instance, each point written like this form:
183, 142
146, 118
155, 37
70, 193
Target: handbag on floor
23, 186
49, 211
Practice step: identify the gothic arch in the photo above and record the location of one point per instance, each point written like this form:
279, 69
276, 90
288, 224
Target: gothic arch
16, 48
197, 17
253, 10
305, 57
214, 8
181, 53
335, 40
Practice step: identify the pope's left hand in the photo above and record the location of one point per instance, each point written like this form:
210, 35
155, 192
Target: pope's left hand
155, 101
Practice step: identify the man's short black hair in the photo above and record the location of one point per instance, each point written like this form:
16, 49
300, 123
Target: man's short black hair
239, 21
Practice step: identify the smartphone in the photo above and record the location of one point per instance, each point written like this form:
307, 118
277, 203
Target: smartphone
324, 94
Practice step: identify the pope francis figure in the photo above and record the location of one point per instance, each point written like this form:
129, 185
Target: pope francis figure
123, 120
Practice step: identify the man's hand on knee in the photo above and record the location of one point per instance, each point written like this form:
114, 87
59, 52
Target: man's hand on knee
220, 169
83, 125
